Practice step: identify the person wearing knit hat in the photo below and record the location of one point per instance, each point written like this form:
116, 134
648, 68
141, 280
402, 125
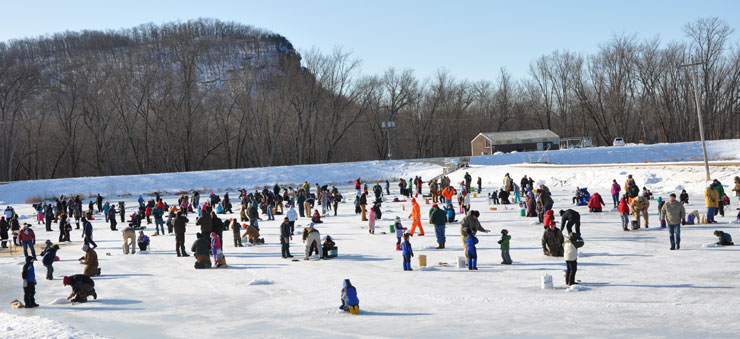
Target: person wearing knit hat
90, 260
504, 242
82, 287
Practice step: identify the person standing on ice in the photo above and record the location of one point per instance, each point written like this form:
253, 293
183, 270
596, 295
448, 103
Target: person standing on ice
470, 225
358, 186
216, 249
504, 242
472, 253
312, 239
736, 189
399, 232
180, 224
407, 252
615, 192
673, 213
571, 259
480, 185
438, 218
415, 216
640, 205
363, 206
371, 222
624, 212
711, 199
29, 283
286, 235
387, 187
545, 197
468, 181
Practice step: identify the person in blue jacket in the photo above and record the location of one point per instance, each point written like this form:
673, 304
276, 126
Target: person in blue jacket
49, 254
29, 283
471, 241
407, 253
349, 297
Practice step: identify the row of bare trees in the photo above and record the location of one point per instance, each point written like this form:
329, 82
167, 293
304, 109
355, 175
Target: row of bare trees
209, 95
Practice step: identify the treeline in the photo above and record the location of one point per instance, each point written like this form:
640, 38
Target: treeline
210, 95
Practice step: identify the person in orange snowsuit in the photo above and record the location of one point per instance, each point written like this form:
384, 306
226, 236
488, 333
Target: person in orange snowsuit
416, 217
448, 193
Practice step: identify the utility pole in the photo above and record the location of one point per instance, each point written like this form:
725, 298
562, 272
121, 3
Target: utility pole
698, 112
388, 126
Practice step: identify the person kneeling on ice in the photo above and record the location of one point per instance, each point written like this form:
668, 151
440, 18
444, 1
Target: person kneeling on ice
316, 218
725, 239
90, 260
82, 287
350, 302
143, 241
328, 246
399, 232
571, 259
312, 238
218, 254
201, 250
407, 252
470, 242
552, 241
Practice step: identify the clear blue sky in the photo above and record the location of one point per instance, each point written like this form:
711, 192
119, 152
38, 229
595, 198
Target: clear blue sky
471, 39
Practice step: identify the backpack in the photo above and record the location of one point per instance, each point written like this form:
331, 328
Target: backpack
579, 242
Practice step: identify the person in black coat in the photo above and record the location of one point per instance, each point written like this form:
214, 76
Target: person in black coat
4, 228
568, 218
82, 287
180, 222
286, 235
49, 254
87, 231
201, 250
217, 226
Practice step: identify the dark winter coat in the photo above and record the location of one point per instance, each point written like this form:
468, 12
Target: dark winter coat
725, 239
49, 255
78, 281
569, 215
205, 224
29, 274
552, 242
438, 217
470, 225
180, 222
201, 246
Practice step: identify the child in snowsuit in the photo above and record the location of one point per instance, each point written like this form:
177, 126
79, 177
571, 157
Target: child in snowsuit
371, 222
399, 232
571, 259
216, 248
350, 302
470, 242
505, 238
143, 241
407, 253
49, 255
624, 212
29, 283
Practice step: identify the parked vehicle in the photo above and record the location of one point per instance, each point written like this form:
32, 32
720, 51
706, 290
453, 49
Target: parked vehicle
618, 142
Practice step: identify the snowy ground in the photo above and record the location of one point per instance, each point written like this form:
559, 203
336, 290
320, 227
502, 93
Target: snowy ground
633, 286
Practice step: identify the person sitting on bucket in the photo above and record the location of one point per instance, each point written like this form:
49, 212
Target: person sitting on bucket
350, 302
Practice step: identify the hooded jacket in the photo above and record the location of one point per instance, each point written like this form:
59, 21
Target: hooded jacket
673, 212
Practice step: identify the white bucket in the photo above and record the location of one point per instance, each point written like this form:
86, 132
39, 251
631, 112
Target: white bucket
461, 262
546, 282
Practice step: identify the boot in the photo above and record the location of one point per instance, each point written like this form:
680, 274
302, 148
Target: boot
439, 246
398, 247
442, 245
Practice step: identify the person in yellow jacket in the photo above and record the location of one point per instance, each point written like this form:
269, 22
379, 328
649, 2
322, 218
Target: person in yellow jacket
416, 217
640, 205
711, 199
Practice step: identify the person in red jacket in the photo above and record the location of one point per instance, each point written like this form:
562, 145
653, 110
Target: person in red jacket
549, 218
624, 212
27, 239
595, 203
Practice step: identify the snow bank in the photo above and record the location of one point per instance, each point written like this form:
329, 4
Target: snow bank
685, 151
216, 180
13, 326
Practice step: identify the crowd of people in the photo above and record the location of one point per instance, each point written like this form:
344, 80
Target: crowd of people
315, 203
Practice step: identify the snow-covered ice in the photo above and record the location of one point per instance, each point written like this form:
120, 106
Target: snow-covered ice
632, 284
